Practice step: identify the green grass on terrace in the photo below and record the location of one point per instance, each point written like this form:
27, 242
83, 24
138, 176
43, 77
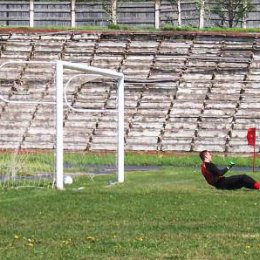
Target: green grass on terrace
121, 27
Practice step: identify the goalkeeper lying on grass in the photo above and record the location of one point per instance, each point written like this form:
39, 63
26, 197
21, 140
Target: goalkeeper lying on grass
215, 176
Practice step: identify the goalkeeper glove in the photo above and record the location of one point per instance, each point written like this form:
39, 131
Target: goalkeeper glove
231, 164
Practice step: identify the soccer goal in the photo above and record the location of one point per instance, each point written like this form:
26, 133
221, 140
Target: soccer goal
31, 88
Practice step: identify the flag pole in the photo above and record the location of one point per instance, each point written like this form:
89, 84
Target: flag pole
251, 139
254, 160
255, 150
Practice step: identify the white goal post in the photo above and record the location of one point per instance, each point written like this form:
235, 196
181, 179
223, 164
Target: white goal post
60, 65
61, 99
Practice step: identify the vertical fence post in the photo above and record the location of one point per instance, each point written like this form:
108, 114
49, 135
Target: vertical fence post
31, 13
179, 12
202, 14
7, 15
157, 4
73, 13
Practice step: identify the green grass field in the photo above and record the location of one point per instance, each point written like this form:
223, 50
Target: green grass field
169, 213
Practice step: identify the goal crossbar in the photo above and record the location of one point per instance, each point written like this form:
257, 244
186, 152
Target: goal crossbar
60, 65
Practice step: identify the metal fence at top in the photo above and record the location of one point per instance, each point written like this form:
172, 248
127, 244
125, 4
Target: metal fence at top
84, 13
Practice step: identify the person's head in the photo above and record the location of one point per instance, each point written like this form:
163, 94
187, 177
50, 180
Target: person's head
205, 156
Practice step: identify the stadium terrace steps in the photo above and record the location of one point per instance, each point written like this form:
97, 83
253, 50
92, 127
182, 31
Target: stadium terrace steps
182, 93
216, 145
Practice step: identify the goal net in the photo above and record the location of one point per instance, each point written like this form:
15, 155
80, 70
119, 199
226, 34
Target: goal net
53, 115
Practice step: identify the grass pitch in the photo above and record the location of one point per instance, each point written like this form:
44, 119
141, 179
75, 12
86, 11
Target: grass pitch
169, 213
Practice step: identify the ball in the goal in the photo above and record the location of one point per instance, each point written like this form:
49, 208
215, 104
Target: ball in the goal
68, 180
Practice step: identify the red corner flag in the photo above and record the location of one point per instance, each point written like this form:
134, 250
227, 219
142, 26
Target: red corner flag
251, 136
251, 140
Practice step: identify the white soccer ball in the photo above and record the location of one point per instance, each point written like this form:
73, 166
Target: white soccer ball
68, 180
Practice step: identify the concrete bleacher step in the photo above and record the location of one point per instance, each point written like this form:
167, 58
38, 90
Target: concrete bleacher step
217, 125
7, 131
103, 141
232, 66
9, 144
226, 112
137, 66
213, 133
39, 69
141, 143
192, 112
212, 144
81, 134
141, 147
175, 47
143, 132
237, 145
103, 147
176, 144
229, 76
239, 133
41, 131
181, 123
75, 146
5, 124
190, 95
76, 138
181, 94
81, 52
148, 124
244, 122
142, 48
13, 136
248, 113
196, 76
196, 63
74, 124
111, 47
18, 117
186, 104
37, 144
11, 73
107, 61
39, 137
16, 46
